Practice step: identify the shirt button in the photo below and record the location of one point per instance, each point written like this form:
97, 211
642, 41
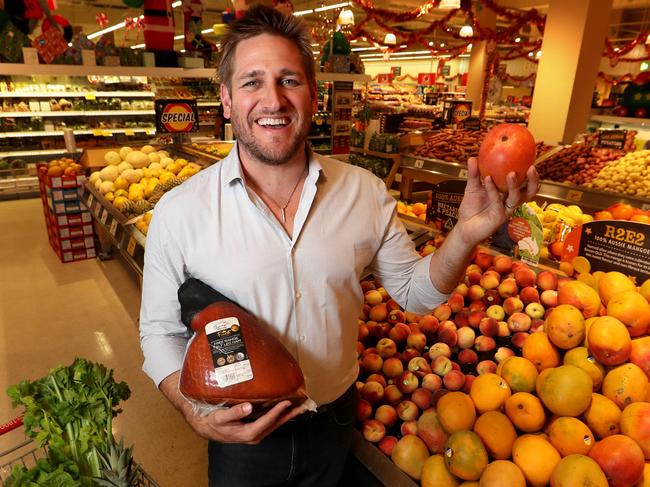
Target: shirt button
302, 338
298, 295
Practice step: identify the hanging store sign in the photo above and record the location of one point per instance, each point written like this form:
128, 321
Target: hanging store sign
177, 116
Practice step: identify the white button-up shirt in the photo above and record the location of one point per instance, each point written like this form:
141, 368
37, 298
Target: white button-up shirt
305, 289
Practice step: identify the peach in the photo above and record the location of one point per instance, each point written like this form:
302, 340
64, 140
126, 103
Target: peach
399, 332
503, 353
489, 326
486, 367
372, 363
383, 329
632, 309
386, 348
462, 318
364, 410
448, 336
367, 286
392, 395
535, 310
392, 367
482, 259
640, 354
442, 312
365, 311
507, 288
373, 430
466, 337
428, 325
407, 382
473, 278
475, 292
581, 296
386, 444
484, 343
360, 349
373, 297
407, 410
529, 295
461, 289
473, 268
549, 298
519, 322
467, 356
478, 305
469, 380
384, 294
441, 365
456, 302
519, 338
431, 382
513, 305
492, 297
454, 380
386, 414
407, 355
504, 331
373, 392
377, 378
409, 428
368, 350
490, 280
411, 317
419, 366
439, 349
455, 366
475, 318
525, 277
536, 325
392, 305
396, 316
495, 311
546, 281
414, 327
416, 340
502, 264
517, 264
362, 332
422, 398
379, 312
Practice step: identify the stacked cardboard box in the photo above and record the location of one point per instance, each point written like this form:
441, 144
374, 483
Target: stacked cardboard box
69, 224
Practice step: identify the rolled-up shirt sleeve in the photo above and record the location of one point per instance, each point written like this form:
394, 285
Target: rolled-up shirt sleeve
163, 337
401, 270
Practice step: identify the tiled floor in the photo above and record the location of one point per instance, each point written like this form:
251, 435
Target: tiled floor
52, 312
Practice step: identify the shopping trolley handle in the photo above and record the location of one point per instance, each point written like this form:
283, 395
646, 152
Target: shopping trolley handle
11, 425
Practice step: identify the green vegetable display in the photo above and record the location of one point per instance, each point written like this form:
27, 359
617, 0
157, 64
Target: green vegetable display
70, 411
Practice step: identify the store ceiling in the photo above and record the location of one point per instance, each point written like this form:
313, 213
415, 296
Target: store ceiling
628, 16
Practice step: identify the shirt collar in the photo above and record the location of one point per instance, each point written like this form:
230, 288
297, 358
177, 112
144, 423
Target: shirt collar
231, 166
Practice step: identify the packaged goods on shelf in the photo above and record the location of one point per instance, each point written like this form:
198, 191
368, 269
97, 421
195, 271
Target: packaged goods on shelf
629, 174
451, 145
378, 166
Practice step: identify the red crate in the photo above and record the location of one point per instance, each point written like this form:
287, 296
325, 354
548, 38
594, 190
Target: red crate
70, 255
65, 207
72, 219
59, 181
56, 195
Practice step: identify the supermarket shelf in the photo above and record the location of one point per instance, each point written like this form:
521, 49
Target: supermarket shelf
76, 94
77, 113
208, 103
97, 132
28, 153
384, 155
433, 171
362, 78
131, 71
620, 120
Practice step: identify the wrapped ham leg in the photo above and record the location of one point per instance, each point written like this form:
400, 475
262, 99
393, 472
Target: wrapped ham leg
232, 358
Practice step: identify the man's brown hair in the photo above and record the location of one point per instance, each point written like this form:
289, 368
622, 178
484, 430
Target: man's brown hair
265, 20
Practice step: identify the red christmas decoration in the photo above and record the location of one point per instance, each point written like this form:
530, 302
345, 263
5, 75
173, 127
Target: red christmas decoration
102, 19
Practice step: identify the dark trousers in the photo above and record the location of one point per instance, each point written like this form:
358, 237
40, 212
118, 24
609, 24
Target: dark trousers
307, 452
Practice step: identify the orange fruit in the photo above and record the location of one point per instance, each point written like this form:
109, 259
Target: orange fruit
497, 434
502, 473
613, 283
570, 436
465, 455
540, 351
635, 423
565, 326
602, 416
566, 391
526, 412
578, 470
609, 340
456, 411
520, 374
581, 264
489, 392
536, 458
625, 384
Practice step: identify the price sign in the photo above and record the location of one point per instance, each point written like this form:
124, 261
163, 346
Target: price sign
104, 216
614, 139
462, 173
98, 207
90, 96
574, 195
98, 133
107, 133
90, 202
129, 132
113, 229
130, 248
419, 164
151, 131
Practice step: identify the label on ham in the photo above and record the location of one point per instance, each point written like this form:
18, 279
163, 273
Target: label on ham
229, 355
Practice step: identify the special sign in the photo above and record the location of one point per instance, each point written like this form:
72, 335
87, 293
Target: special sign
177, 116
612, 245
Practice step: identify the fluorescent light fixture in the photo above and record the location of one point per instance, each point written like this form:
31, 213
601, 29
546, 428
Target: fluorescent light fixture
398, 54
530, 54
357, 49
331, 7
177, 4
346, 17
449, 4
466, 31
182, 50
442, 44
208, 31
303, 12
138, 46
390, 39
403, 46
179, 36
408, 58
121, 25
431, 43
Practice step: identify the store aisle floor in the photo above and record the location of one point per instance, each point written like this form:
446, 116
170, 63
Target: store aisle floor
52, 312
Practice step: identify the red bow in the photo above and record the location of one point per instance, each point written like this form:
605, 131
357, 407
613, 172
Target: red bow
129, 23
102, 19
140, 23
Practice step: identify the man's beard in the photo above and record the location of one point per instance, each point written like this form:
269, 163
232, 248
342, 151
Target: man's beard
247, 140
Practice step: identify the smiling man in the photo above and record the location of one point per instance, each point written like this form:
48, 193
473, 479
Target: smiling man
287, 234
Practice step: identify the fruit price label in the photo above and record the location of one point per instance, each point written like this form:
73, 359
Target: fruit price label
613, 139
129, 132
462, 173
98, 206
418, 164
612, 245
574, 195
113, 228
89, 204
104, 216
90, 96
130, 248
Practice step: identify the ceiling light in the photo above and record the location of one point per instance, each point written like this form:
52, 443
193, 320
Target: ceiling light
303, 12
466, 31
357, 49
390, 39
179, 36
530, 54
449, 4
431, 43
176, 4
539, 54
346, 17
330, 7
517, 39
442, 44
